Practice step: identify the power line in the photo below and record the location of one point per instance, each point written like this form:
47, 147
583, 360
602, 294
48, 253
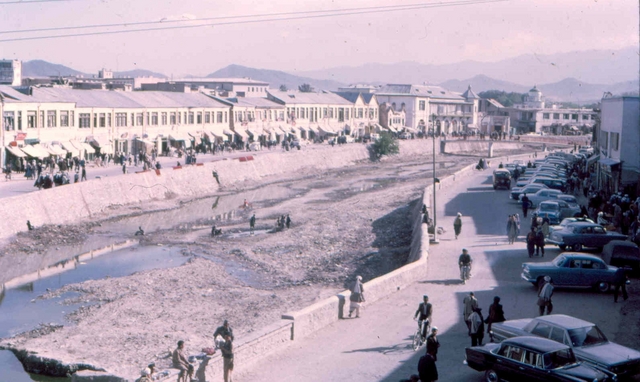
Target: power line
387, 7
332, 13
31, 1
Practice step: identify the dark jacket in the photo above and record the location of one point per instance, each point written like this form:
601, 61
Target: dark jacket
421, 311
427, 369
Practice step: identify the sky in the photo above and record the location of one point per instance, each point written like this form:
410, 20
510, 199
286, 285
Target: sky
438, 33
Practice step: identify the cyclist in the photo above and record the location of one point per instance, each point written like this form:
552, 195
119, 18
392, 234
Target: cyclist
424, 311
464, 262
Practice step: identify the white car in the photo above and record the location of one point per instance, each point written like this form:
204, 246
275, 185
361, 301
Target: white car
540, 196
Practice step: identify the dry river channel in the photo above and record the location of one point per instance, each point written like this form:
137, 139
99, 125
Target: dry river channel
179, 282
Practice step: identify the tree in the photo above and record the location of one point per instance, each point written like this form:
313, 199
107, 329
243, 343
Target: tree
305, 88
387, 144
283, 88
506, 99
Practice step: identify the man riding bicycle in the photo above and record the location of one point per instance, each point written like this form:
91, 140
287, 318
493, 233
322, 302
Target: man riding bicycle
424, 311
464, 262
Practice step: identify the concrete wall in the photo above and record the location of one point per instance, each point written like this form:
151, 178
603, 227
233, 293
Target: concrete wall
466, 146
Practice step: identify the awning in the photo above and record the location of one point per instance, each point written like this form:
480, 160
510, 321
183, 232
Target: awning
327, 130
593, 159
283, 130
180, 136
196, 136
71, 148
302, 128
251, 133
241, 134
227, 132
219, 135
392, 129
57, 150
35, 152
410, 129
608, 162
313, 129
16, 151
87, 147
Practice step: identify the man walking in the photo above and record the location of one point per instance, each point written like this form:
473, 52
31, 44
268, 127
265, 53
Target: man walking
620, 282
252, 223
525, 204
544, 296
427, 369
227, 357
433, 344
469, 305
457, 225
476, 327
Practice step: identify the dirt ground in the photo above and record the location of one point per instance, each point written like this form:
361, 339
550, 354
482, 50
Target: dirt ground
346, 222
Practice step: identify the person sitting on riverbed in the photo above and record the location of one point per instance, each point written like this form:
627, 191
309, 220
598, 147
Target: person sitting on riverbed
181, 362
140, 231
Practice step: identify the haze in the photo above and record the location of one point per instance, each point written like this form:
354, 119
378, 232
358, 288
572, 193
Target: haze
488, 31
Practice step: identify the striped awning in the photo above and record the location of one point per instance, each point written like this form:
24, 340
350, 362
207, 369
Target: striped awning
35, 152
16, 151
71, 148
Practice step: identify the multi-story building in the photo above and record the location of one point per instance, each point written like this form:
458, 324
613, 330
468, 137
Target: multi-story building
534, 116
112, 121
220, 87
426, 104
10, 72
619, 145
257, 119
365, 118
494, 117
392, 119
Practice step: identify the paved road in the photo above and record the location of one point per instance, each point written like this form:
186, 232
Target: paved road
376, 347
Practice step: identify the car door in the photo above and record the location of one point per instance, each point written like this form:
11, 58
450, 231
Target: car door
532, 368
508, 368
593, 271
570, 274
565, 210
599, 237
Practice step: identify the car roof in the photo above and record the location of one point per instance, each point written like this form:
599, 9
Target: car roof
580, 255
553, 191
543, 345
499, 170
621, 243
584, 224
565, 321
548, 202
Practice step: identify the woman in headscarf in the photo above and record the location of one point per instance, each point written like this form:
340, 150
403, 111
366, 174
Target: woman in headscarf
457, 224
357, 297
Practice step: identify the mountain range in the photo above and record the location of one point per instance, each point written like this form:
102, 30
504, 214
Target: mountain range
40, 68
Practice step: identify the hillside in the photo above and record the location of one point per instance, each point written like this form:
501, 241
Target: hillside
40, 68
275, 78
139, 73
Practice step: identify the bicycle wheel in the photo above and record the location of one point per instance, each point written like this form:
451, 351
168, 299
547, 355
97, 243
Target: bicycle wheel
417, 340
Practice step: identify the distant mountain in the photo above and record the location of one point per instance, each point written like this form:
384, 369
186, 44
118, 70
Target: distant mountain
568, 89
593, 66
275, 78
40, 68
138, 73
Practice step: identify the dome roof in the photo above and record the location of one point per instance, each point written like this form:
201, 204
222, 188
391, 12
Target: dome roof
534, 90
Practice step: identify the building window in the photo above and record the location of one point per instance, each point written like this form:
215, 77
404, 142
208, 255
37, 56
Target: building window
615, 138
565, 116
109, 119
154, 119
84, 120
121, 119
574, 117
219, 117
593, 117
31, 119
72, 118
64, 119
139, 119
207, 117
9, 121
179, 118
51, 118
172, 118
164, 119
545, 116
604, 140
199, 118
556, 115
422, 105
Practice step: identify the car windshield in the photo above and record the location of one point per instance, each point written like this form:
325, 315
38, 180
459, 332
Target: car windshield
547, 207
587, 336
558, 359
569, 199
558, 261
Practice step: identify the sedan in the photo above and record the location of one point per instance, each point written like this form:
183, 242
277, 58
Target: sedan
572, 270
530, 359
565, 222
542, 195
572, 203
527, 189
583, 234
551, 210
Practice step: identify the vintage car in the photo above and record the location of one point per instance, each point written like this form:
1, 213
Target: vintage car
556, 184
551, 210
526, 189
572, 270
501, 178
530, 358
582, 234
541, 195
585, 339
622, 254
566, 222
572, 204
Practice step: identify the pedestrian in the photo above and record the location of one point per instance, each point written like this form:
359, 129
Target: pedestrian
496, 314
181, 362
540, 242
621, 279
545, 226
252, 223
427, 369
544, 296
512, 229
468, 305
84, 174
457, 224
432, 343
288, 221
227, 357
223, 331
531, 241
124, 167
357, 297
525, 204
476, 328
423, 313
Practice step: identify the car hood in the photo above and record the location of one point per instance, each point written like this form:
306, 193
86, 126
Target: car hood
545, 264
608, 354
581, 371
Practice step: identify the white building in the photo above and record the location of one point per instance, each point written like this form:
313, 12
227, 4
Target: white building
11, 72
220, 87
257, 119
619, 145
425, 105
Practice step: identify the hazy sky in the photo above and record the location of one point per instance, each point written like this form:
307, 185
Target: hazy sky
483, 31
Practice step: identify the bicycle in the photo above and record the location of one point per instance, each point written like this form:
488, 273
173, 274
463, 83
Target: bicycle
418, 338
465, 273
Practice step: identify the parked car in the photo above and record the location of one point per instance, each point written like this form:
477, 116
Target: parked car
566, 222
541, 196
531, 358
572, 269
583, 234
527, 189
556, 184
551, 210
501, 178
586, 340
622, 254
572, 203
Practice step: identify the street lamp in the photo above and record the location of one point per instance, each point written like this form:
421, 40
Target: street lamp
435, 181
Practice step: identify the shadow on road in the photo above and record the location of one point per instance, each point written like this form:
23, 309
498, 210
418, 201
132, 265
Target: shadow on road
442, 282
400, 348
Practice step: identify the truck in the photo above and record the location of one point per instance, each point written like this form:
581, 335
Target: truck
586, 340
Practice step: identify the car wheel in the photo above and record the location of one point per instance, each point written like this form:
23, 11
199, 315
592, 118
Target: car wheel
577, 247
562, 247
603, 287
491, 376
